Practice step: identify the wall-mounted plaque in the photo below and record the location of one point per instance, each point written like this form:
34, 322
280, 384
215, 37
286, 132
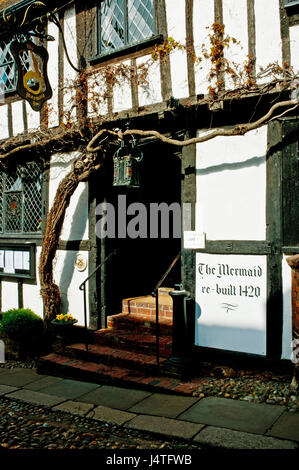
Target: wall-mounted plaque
231, 302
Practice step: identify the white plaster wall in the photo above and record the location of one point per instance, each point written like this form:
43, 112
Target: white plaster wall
69, 279
53, 75
267, 30
203, 17
294, 45
9, 295
69, 73
31, 293
231, 187
4, 133
235, 21
152, 94
122, 94
17, 117
287, 310
176, 25
75, 225
33, 118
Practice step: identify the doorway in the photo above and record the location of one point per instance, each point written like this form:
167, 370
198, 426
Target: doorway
139, 263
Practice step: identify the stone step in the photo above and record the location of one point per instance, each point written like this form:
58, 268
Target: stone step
114, 357
139, 323
130, 341
60, 365
146, 305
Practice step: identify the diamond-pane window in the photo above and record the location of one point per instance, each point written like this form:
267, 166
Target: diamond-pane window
21, 199
8, 69
124, 23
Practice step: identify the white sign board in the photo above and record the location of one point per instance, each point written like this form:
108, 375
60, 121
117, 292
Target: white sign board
231, 302
194, 240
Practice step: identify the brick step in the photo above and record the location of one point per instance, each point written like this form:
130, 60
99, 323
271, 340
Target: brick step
60, 365
146, 305
114, 357
131, 341
139, 323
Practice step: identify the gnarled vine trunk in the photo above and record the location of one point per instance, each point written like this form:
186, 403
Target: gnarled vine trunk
83, 167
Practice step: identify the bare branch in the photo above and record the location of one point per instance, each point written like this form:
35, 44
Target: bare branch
239, 129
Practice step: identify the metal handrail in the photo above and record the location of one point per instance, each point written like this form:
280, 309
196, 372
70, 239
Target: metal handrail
155, 293
83, 288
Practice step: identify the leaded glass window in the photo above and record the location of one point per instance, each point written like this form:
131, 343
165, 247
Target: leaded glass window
8, 69
124, 23
21, 199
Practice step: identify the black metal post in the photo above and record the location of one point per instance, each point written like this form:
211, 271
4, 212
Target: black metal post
181, 344
157, 330
85, 318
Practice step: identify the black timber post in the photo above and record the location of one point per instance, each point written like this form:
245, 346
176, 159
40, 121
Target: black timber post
188, 190
188, 262
274, 237
290, 182
93, 258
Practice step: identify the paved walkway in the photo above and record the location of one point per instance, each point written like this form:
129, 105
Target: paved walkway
217, 422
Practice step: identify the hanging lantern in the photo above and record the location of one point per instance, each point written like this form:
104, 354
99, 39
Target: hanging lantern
126, 166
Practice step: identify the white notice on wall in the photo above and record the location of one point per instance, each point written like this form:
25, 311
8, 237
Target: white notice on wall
18, 260
26, 260
194, 240
9, 262
1, 258
231, 302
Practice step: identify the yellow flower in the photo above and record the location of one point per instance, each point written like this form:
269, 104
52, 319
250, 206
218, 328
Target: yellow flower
67, 317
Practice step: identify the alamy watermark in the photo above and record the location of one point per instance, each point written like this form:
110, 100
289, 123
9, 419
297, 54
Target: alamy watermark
2, 352
137, 220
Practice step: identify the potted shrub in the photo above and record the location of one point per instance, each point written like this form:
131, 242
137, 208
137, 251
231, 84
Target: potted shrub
22, 331
63, 324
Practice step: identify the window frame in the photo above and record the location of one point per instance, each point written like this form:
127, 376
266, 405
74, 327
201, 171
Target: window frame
13, 90
128, 48
4, 234
289, 4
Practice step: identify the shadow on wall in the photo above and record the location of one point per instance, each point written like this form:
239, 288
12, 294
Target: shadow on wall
251, 162
229, 338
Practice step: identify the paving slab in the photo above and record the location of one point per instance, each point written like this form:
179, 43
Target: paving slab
36, 398
69, 388
233, 414
115, 397
165, 426
102, 413
74, 407
4, 389
286, 427
228, 439
19, 377
44, 382
169, 406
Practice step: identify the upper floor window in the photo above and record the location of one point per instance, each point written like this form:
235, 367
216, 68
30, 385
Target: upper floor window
123, 23
290, 3
8, 69
21, 199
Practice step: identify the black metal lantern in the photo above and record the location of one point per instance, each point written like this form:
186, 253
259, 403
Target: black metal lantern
126, 166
